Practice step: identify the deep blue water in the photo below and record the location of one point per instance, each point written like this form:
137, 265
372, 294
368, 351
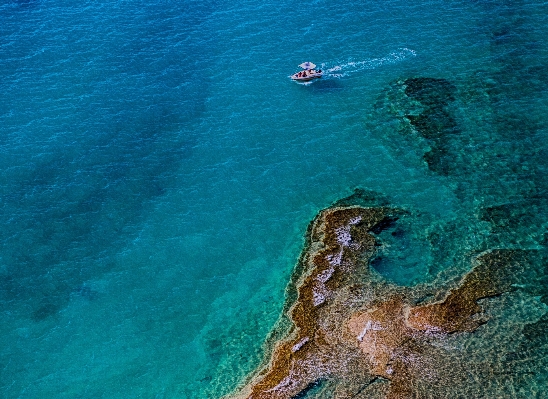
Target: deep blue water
158, 170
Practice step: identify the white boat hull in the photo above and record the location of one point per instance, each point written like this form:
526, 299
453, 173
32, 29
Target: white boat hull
306, 78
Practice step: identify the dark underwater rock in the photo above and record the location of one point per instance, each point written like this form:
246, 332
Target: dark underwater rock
435, 122
44, 311
536, 332
430, 92
386, 223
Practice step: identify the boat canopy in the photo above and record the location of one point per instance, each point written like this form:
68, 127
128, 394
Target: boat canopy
307, 65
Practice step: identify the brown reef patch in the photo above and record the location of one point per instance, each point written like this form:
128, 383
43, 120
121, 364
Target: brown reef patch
355, 333
494, 274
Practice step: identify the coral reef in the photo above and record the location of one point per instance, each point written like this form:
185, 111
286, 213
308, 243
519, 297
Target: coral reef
355, 335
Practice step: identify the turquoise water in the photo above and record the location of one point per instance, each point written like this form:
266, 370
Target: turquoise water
159, 169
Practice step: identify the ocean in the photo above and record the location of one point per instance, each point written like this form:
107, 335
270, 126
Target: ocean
159, 169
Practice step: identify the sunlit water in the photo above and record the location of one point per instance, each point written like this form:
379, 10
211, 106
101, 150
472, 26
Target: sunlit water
159, 169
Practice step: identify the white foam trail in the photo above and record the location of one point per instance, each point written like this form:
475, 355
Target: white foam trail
339, 71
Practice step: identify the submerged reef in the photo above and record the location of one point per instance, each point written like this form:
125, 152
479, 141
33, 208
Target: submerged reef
353, 334
425, 110
434, 123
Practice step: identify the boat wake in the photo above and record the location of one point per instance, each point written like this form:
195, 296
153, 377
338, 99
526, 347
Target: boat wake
345, 69
307, 83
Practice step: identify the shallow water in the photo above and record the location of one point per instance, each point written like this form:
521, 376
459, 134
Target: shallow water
159, 169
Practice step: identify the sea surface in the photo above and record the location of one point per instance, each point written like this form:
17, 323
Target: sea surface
158, 170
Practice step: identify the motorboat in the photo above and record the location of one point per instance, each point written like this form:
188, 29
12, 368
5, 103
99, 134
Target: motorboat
308, 73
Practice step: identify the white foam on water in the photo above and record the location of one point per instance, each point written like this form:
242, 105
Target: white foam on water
344, 69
